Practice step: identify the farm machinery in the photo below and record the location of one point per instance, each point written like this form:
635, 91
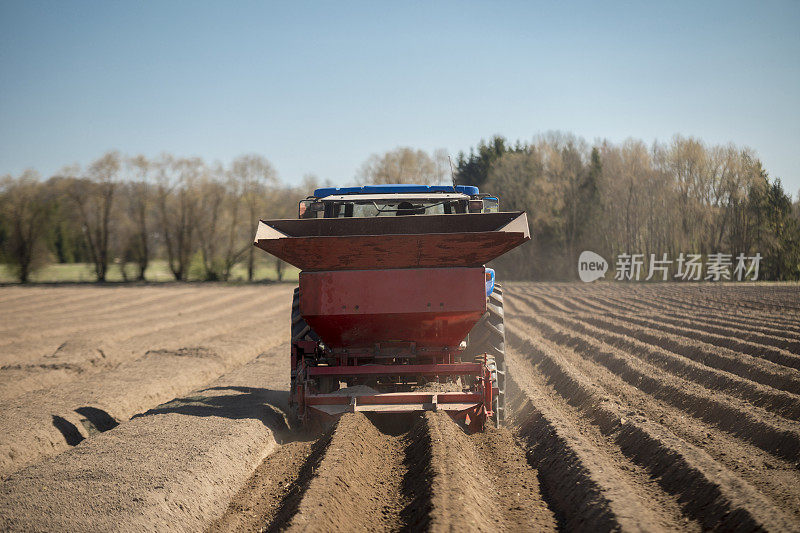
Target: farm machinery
395, 311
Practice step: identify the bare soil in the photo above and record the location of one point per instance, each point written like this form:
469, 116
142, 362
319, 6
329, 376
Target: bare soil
649, 407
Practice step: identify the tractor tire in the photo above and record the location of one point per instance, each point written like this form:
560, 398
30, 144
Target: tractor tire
488, 337
301, 331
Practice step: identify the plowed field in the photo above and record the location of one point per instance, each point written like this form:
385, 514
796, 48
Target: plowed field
632, 407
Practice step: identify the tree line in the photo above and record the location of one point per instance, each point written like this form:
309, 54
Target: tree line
129, 211
681, 196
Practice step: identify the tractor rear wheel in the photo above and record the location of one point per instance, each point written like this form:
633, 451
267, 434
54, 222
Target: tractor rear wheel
301, 331
488, 337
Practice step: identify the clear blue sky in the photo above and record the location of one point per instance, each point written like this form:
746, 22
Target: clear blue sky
318, 87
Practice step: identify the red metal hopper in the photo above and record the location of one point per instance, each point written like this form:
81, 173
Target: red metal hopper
466, 240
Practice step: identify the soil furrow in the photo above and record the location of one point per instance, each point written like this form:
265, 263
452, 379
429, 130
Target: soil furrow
543, 305
113, 327
36, 425
97, 311
731, 323
776, 355
717, 308
585, 305
372, 464
365, 468
175, 468
588, 482
632, 407
746, 366
756, 338
755, 332
556, 306
36, 298
748, 335
482, 480
653, 348
734, 324
407, 472
107, 297
707, 491
773, 435
78, 359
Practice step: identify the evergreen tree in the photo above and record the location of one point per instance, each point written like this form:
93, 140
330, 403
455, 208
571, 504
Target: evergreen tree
474, 170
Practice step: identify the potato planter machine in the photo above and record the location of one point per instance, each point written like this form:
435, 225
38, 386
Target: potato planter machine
388, 304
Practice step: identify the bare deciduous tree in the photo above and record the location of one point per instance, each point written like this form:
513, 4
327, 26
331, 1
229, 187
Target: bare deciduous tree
25, 204
405, 165
256, 175
138, 196
210, 222
282, 203
177, 205
93, 197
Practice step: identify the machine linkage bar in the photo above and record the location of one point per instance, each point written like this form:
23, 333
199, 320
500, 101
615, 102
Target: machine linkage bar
443, 369
398, 398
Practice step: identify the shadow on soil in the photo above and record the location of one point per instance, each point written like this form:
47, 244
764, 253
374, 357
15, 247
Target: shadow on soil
268, 406
68, 429
96, 420
93, 420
